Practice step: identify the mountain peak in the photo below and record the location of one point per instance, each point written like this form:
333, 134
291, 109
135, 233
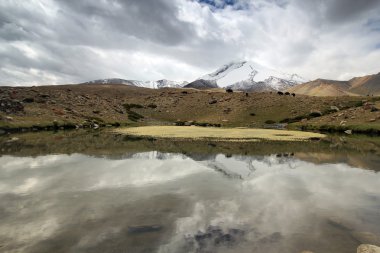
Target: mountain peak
246, 75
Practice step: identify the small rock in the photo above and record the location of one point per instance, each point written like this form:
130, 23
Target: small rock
13, 139
334, 108
343, 122
316, 113
95, 126
214, 101
348, 131
9, 118
372, 120
368, 248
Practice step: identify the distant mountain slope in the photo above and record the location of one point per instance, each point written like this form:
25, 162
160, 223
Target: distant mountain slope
202, 84
366, 85
146, 84
251, 76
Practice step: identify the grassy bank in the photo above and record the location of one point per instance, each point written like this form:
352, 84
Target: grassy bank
226, 134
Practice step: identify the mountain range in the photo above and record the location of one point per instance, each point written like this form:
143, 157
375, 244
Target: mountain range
249, 76
163, 83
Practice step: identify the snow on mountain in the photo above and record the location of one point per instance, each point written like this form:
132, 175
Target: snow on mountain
251, 76
159, 84
202, 84
146, 84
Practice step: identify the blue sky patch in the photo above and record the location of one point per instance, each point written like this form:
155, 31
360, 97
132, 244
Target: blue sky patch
219, 4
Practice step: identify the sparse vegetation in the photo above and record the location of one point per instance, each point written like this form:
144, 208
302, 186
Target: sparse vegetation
131, 106
153, 106
134, 116
269, 121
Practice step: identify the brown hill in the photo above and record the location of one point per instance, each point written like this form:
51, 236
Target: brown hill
81, 105
358, 86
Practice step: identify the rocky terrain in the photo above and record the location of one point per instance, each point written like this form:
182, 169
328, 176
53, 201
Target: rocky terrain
77, 106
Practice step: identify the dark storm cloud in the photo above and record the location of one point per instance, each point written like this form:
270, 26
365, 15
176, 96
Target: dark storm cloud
153, 20
347, 10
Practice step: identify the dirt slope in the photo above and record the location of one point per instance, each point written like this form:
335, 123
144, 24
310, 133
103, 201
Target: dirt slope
358, 86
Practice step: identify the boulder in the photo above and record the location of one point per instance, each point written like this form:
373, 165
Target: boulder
315, 113
368, 248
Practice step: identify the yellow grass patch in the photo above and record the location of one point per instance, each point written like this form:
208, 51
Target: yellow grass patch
227, 134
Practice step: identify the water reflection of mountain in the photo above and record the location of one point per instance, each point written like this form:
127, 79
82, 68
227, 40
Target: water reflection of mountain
363, 152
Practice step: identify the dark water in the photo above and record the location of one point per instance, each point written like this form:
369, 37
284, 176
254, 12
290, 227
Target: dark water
100, 192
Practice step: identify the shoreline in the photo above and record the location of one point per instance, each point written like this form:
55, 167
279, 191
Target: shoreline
324, 129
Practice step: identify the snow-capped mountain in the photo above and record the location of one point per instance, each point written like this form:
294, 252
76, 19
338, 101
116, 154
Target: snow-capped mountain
146, 84
250, 76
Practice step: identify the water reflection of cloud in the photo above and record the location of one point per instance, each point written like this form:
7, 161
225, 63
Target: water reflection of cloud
78, 172
292, 199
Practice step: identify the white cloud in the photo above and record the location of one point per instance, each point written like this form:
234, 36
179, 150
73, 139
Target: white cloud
70, 41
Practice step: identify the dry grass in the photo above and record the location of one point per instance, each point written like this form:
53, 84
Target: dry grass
229, 134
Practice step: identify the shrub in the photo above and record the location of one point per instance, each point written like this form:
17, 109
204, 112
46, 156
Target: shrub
229, 90
269, 121
252, 114
280, 93
130, 106
153, 106
134, 116
180, 123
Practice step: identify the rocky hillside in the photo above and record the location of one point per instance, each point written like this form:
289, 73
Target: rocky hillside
72, 106
358, 86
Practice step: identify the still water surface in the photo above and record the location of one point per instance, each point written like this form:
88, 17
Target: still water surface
146, 200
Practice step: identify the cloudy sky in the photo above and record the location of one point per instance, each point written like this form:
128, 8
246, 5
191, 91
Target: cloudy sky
69, 41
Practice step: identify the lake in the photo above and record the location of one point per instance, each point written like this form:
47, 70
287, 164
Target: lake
96, 191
